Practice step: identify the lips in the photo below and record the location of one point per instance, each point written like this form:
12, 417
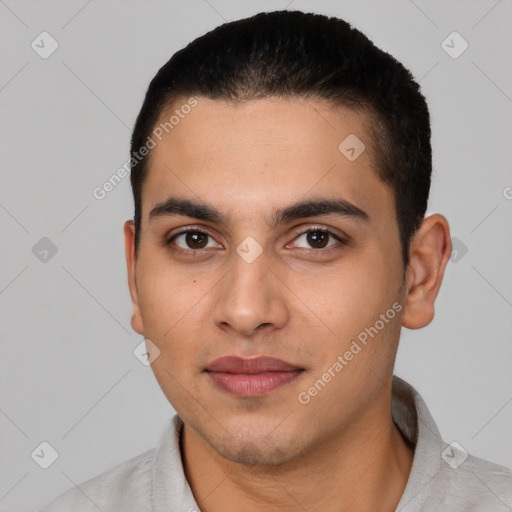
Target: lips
251, 377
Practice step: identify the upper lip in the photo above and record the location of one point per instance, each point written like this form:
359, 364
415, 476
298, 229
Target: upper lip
261, 364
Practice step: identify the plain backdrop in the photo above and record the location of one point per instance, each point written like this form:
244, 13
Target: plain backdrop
68, 375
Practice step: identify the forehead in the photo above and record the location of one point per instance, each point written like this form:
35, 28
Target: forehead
272, 120
256, 152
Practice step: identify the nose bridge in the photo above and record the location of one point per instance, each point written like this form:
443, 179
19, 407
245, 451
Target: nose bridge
249, 260
248, 279
249, 295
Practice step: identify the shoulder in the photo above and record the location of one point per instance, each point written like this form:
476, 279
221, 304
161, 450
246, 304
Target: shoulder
444, 477
126, 487
479, 483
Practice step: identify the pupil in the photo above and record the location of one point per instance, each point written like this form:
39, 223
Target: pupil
194, 240
314, 238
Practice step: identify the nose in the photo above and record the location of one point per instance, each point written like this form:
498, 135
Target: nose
251, 298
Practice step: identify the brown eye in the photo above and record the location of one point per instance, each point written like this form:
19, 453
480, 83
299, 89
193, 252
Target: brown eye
317, 239
196, 240
191, 240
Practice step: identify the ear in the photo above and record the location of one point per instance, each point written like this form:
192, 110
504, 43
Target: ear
131, 264
429, 252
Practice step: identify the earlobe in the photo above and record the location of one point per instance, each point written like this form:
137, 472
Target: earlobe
131, 265
429, 252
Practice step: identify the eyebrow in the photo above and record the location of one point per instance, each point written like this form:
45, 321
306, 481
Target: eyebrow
300, 210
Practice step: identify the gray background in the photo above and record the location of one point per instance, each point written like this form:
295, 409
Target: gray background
68, 375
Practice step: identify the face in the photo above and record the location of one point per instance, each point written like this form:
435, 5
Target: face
317, 289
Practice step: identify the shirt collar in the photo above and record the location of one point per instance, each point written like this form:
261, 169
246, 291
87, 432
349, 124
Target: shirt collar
419, 429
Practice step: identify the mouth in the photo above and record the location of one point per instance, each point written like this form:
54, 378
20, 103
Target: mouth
251, 377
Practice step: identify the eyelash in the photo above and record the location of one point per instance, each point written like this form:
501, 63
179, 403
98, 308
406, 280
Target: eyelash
314, 229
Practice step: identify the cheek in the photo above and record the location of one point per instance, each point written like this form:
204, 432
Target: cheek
347, 302
168, 294
344, 295
174, 313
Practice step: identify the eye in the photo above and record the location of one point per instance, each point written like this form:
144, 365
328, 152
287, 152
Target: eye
318, 238
191, 239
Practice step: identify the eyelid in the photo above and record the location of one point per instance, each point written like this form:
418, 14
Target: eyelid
187, 229
301, 230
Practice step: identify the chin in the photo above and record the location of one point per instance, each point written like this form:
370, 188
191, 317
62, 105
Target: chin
253, 453
254, 443
250, 435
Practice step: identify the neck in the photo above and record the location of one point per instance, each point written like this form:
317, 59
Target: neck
365, 468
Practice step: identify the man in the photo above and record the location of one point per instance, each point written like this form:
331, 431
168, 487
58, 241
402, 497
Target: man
281, 170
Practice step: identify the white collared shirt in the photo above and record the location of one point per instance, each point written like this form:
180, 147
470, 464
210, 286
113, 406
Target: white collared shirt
443, 477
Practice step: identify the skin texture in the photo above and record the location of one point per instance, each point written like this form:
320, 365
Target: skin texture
295, 302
